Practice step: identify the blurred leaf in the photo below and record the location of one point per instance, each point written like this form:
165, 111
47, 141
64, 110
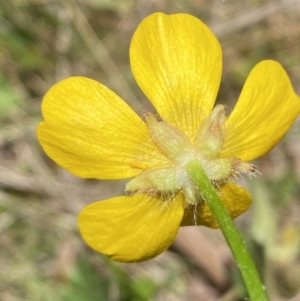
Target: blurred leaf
39, 289
85, 284
130, 288
116, 5
8, 97
19, 45
144, 288
264, 217
283, 187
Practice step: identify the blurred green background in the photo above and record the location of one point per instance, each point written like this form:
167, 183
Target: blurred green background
42, 256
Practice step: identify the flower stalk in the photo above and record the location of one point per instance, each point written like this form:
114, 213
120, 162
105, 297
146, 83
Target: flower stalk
244, 261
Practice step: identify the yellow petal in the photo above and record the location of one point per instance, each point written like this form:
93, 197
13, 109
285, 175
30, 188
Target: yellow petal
266, 109
177, 62
236, 199
134, 228
93, 133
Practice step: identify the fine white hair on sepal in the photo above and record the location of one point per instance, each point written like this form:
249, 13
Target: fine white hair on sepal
166, 181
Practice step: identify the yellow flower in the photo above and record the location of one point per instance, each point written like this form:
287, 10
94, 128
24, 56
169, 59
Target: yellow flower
177, 62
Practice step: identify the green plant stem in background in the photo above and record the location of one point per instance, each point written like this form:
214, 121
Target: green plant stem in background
235, 241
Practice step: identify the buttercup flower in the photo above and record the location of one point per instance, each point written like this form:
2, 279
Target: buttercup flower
177, 62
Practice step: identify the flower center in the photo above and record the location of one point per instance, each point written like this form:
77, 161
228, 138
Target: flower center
180, 150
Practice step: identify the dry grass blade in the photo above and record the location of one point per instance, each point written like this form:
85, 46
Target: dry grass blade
97, 49
248, 19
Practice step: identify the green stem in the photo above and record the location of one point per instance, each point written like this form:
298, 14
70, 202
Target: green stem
244, 261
